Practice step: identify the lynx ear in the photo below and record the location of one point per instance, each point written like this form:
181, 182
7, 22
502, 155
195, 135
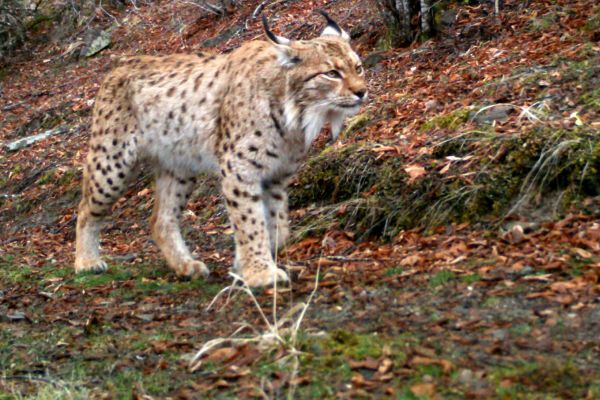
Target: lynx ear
332, 28
285, 53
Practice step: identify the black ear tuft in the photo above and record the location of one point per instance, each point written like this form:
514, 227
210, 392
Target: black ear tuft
330, 22
270, 34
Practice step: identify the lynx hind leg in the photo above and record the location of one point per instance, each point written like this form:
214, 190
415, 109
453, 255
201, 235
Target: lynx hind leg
89, 222
111, 158
172, 194
105, 176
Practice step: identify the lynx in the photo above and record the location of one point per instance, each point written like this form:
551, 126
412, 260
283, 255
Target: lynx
250, 116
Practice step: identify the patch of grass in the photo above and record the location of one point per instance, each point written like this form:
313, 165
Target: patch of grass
53, 390
394, 271
164, 286
145, 341
432, 370
55, 271
326, 359
544, 22
491, 301
356, 346
12, 273
552, 377
406, 394
441, 278
520, 329
593, 23
469, 279
90, 279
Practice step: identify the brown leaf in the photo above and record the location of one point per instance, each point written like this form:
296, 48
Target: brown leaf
445, 364
223, 354
410, 260
414, 172
582, 253
423, 389
385, 366
368, 363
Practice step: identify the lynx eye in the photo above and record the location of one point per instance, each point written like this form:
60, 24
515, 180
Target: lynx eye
333, 74
359, 69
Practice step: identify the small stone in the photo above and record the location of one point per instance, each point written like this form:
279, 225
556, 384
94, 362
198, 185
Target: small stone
432, 105
465, 376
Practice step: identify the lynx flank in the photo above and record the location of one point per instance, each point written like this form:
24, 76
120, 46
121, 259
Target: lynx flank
250, 116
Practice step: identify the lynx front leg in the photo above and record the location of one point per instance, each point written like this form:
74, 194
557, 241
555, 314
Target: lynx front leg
276, 203
246, 208
171, 196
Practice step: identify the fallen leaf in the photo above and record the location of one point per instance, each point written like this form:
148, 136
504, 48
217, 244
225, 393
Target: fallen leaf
410, 260
223, 354
414, 171
582, 253
423, 389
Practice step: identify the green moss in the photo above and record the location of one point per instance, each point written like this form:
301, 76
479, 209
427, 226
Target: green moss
46, 177
326, 359
544, 22
355, 188
335, 176
394, 271
450, 121
441, 278
356, 123
12, 273
469, 279
68, 176
355, 346
593, 23
90, 279
552, 377
4, 72
491, 301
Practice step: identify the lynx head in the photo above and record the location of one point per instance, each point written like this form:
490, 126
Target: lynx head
324, 78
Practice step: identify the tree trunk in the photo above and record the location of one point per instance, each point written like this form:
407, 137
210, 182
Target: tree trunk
405, 35
426, 23
405, 19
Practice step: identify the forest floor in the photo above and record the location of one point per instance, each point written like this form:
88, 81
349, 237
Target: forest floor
505, 305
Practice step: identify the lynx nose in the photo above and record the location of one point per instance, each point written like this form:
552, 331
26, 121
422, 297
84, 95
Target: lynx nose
360, 93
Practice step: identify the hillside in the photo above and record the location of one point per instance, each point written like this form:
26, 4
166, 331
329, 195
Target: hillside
453, 228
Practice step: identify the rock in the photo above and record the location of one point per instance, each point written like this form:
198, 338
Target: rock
489, 114
448, 18
16, 316
515, 235
499, 334
95, 43
432, 105
465, 376
373, 59
223, 36
29, 140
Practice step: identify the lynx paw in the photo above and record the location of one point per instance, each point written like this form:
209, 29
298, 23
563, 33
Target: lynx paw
264, 277
193, 270
95, 265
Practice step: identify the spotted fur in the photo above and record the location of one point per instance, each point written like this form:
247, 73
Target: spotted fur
250, 116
